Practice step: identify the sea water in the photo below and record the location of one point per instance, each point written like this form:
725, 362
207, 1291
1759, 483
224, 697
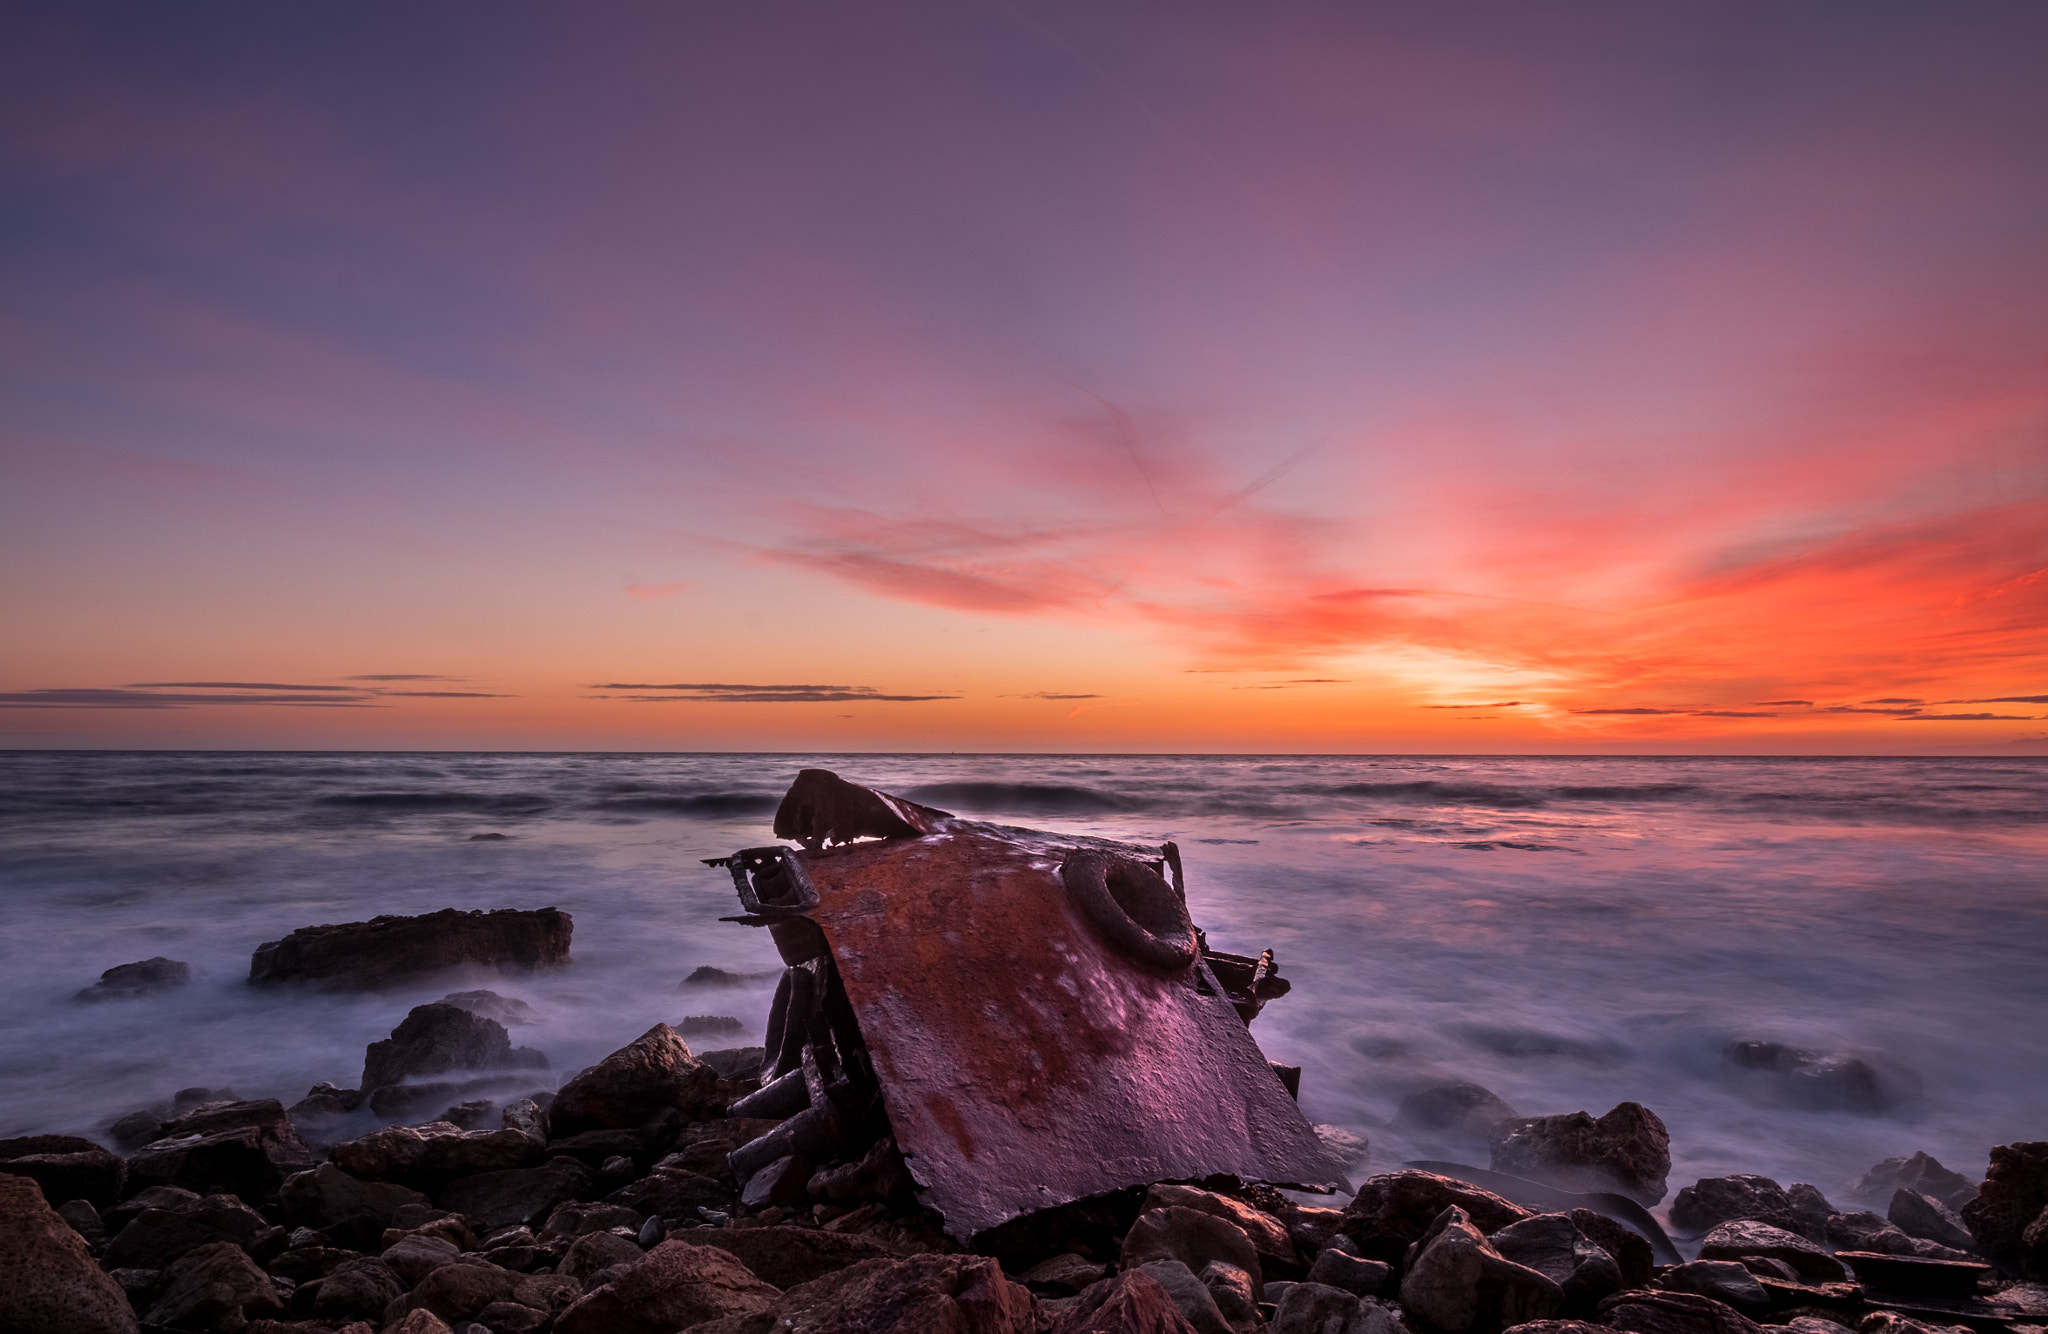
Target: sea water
1568, 933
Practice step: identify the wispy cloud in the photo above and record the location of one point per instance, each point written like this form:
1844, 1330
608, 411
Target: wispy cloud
213, 694
1052, 694
402, 676
719, 693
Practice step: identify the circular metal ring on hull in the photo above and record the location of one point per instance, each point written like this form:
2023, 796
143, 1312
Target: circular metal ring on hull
1132, 908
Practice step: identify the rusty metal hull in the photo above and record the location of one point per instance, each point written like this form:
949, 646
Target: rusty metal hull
1023, 1060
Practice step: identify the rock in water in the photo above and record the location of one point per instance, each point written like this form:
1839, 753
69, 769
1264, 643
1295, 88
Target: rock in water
1713, 1200
131, 981
1925, 1217
1627, 1150
2009, 1217
654, 1071
445, 1040
1744, 1239
48, 1281
1458, 1283
1552, 1245
1921, 1174
224, 1148
1825, 1081
364, 956
1452, 1111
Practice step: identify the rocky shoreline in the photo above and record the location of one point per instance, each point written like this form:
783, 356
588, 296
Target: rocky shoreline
453, 1189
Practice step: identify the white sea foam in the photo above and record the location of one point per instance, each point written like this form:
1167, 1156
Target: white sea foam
1567, 932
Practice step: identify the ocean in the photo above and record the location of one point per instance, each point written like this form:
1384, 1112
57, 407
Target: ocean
1566, 932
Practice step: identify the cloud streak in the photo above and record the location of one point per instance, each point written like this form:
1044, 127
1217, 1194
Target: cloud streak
716, 693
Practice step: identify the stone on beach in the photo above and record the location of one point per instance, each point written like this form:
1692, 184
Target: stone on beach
672, 1287
243, 1148
1921, 1173
1392, 1211
1927, 1218
1457, 1282
2009, 1216
1713, 1200
387, 950
1131, 1303
1627, 1150
66, 1167
1743, 1238
653, 1072
209, 1287
1553, 1245
429, 1156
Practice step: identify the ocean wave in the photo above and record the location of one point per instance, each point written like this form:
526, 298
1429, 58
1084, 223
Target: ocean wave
1629, 792
485, 803
704, 806
1022, 798
1436, 793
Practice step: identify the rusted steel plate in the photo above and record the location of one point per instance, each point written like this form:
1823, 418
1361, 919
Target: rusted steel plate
1024, 1060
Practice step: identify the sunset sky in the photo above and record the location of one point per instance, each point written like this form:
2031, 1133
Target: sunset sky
1013, 375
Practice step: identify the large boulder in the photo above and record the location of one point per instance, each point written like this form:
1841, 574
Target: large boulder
788, 1256
1745, 1239
491, 1200
1391, 1212
223, 1148
132, 981
366, 956
1647, 1312
1194, 1299
345, 1207
48, 1281
2009, 1216
1921, 1174
672, 1287
66, 1167
1131, 1303
434, 1154
1553, 1245
1267, 1233
459, 1291
1627, 1150
358, 1289
414, 1256
1631, 1249
1458, 1283
210, 1287
673, 1193
1192, 1237
1722, 1280
1316, 1308
632, 1085
920, 1294
1929, 1219
1713, 1200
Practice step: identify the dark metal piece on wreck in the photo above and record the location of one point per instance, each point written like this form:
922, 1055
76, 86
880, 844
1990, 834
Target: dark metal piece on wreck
1032, 1016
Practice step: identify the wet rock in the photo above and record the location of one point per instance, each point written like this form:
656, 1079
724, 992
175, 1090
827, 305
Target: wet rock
387, 950
735, 1063
710, 1026
1192, 1237
1743, 1237
210, 1286
223, 1148
1824, 1081
48, 1281
1131, 1303
708, 978
1813, 1324
578, 1217
1722, 1280
2006, 1215
1640, 1311
157, 1237
136, 1128
879, 1174
507, 1010
672, 1287
83, 1218
1197, 1305
1631, 1249
1268, 1234
1862, 1230
457, 1292
786, 1181
491, 1200
1315, 1308
1713, 1200
476, 1114
1627, 1150
673, 1193
1392, 1211
91, 1174
429, 1156
511, 1318
1456, 1281
788, 1256
413, 1258
1231, 1289
1361, 1278
1919, 1173
1810, 1210
348, 1209
595, 1146
594, 1251
1925, 1217
419, 1322
359, 1289
903, 1296
628, 1087
441, 1039
524, 1114
1451, 1111
133, 981
1064, 1275
1552, 1245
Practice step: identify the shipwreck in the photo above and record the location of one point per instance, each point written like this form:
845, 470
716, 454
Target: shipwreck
1031, 1017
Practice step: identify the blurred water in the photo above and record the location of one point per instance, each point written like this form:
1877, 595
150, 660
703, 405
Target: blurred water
1567, 932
